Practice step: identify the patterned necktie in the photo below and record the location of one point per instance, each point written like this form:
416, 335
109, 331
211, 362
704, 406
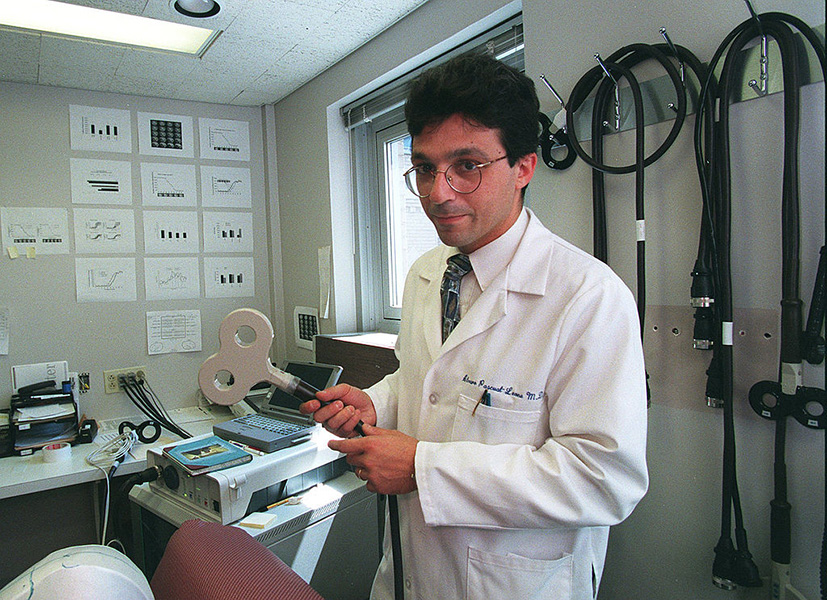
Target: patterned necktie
458, 266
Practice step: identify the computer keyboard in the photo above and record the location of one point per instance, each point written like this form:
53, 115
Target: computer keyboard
269, 424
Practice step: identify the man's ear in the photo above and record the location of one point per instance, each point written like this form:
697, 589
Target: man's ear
525, 169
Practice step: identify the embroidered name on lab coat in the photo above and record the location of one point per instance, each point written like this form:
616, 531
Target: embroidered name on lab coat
502, 389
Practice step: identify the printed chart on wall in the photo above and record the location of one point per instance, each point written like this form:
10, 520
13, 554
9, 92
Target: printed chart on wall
224, 139
100, 129
38, 230
171, 278
101, 181
170, 232
228, 232
104, 230
225, 187
229, 277
105, 279
173, 331
168, 185
165, 135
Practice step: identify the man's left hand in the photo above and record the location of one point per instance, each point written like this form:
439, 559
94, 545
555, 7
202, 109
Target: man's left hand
384, 458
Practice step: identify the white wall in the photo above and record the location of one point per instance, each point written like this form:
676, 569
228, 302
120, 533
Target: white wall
665, 550
46, 321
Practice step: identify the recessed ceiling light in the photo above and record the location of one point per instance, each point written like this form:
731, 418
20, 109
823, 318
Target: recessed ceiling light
72, 20
197, 8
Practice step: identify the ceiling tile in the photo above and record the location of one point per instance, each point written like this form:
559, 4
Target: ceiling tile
267, 49
19, 56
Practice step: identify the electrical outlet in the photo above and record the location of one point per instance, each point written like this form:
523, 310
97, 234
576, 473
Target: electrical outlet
110, 378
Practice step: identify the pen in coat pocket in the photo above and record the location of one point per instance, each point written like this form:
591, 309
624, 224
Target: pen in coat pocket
485, 399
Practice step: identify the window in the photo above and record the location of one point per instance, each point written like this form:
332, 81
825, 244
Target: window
392, 229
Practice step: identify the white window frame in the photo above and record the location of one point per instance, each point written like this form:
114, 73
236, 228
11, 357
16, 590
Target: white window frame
373, 120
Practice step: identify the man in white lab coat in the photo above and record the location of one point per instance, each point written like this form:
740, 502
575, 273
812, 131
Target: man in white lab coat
514, 444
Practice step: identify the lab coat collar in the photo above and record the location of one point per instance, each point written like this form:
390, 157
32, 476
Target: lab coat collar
526, 273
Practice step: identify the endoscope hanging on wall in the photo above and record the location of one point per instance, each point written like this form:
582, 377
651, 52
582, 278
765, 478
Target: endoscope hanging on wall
712, 289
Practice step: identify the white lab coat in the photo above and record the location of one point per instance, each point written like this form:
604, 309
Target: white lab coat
515, 499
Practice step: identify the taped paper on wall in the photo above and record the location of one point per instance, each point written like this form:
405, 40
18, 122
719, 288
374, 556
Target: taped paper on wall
46, 230
105, 279
104, 230
4, 330
171, 331
101, 181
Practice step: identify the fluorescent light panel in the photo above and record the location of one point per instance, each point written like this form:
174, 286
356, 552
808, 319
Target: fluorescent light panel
81, 21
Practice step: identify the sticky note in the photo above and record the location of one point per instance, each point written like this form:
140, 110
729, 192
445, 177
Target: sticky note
13, 253
257, 520
30, 252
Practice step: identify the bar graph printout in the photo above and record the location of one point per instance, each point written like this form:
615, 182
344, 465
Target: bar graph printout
229, 277
228, 232
170, 232
101, 181
100, 129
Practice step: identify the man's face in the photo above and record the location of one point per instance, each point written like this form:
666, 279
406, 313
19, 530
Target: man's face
469, 221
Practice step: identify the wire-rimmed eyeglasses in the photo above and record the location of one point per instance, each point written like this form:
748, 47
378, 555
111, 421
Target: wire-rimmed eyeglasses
464, 177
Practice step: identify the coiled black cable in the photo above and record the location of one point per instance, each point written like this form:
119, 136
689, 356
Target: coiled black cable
620, 63
735, 566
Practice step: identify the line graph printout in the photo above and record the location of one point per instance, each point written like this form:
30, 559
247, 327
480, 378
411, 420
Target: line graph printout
44, 229
228, 232
104, 230
225, 187
100, 129
229, 277
168, 184
224, 139
165, 135
170, 331
171, 278
170, 232
105, 279
101, 181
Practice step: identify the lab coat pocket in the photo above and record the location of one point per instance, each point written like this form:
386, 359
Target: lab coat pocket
477, 422
513, 576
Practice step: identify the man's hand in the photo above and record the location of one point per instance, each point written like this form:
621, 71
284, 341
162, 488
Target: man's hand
348, 405
383, 457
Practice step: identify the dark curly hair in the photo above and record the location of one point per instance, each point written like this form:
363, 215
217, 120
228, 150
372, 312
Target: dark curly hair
483, 90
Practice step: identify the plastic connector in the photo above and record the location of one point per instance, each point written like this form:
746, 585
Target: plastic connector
723, 568
714, 387
704, 328
702, 291
746, 571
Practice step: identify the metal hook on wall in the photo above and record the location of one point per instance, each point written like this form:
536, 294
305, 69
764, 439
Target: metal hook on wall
760, 86
616, 90
559, 139
674, 50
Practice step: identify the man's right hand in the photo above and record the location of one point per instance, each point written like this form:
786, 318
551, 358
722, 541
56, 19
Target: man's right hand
347, 406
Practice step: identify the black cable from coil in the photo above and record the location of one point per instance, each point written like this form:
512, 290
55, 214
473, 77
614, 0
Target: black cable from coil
144, 398
713, 165
620, 63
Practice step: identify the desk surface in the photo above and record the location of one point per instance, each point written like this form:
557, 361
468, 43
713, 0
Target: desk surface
27, 474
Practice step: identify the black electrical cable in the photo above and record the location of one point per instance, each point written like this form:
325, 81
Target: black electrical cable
714, 171
620, 63
304, 392
145, 399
